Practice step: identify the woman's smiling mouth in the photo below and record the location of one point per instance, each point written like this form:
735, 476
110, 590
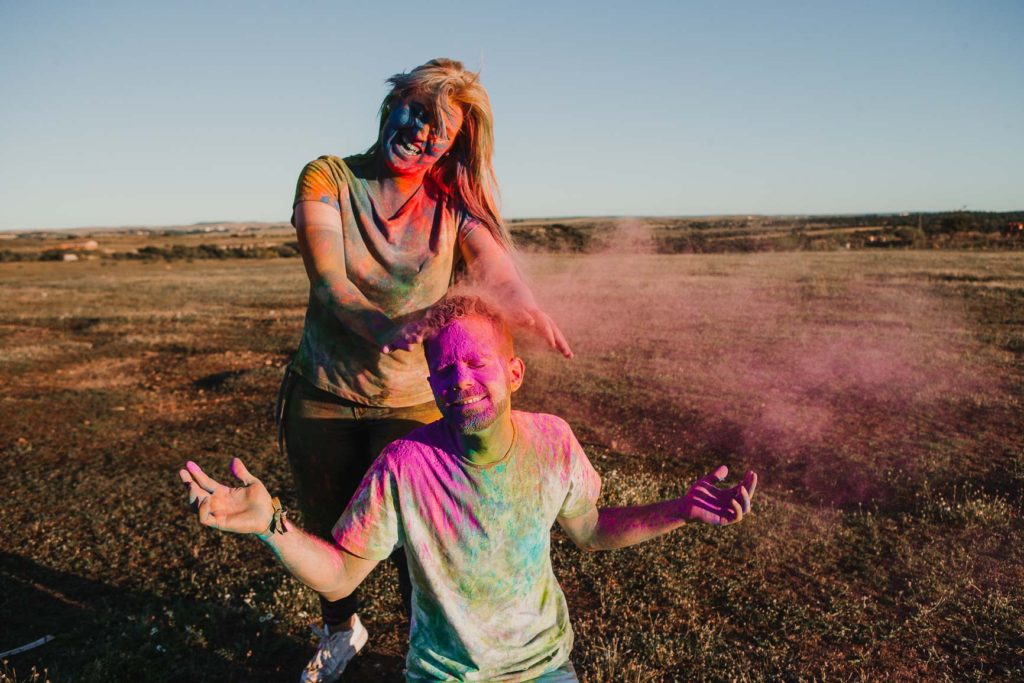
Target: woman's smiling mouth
407, 146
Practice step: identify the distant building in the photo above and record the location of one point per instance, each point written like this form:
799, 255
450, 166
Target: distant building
89, 245
887, 242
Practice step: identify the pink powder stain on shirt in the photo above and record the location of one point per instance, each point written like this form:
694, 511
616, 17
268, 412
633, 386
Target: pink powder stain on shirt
485, 599
439, 492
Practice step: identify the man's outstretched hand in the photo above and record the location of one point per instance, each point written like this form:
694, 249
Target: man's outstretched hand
245, 509
707, 503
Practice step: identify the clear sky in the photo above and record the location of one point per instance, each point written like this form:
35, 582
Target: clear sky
147, 113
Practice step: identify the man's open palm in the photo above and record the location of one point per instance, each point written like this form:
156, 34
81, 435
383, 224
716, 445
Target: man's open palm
246, 509
707, 503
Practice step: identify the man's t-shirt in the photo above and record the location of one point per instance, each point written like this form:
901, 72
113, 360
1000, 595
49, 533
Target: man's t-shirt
485, 605
402, 264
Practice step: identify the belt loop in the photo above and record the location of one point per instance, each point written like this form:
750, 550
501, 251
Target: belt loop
281, 406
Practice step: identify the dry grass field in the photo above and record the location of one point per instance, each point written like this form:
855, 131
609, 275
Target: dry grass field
878, 394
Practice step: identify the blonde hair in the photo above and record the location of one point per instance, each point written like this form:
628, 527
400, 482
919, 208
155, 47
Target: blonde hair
466, 172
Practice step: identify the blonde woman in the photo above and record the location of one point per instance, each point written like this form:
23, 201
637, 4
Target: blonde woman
383, 235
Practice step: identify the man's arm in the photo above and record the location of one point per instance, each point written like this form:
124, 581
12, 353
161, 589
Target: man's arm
319, 233
248, 509
328, 569
610, 528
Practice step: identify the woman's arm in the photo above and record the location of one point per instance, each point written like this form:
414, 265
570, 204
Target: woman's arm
492, 266
318, 228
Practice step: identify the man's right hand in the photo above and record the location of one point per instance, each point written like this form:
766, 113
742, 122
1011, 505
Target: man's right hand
246, 509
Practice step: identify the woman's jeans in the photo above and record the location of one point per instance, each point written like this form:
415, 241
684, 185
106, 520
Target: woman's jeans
330, 443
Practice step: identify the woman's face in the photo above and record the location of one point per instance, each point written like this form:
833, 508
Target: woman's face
411, 143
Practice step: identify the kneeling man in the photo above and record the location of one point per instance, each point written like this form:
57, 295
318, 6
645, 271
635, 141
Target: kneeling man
472, 499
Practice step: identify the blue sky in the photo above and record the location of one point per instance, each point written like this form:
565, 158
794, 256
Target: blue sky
138, 113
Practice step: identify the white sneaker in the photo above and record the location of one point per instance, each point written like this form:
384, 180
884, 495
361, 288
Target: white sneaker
334, 653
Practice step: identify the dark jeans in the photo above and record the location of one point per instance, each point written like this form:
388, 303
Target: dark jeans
330, 443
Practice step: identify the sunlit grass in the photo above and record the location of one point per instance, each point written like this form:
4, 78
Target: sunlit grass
878, 395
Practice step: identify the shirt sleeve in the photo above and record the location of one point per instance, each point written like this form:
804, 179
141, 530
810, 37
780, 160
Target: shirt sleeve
317, 183
370, 526
468, 224
584, 482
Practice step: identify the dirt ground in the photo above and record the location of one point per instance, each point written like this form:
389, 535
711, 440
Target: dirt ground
878, 395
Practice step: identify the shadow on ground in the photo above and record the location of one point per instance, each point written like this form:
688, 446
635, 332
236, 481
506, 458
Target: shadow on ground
147, 636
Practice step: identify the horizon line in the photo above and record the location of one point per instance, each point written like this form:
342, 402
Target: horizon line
201, 224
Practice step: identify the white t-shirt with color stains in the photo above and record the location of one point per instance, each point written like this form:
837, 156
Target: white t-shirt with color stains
485, 605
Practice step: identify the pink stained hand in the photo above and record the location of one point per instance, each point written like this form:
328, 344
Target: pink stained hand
534, 319
407, 337
707, 503
245, 509
543, 326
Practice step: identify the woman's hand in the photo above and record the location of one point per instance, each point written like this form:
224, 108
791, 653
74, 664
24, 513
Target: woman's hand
532, 318
246, 509
491, 267
526, 315
707, 503
406, 337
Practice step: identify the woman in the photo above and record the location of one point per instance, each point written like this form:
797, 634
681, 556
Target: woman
383, 235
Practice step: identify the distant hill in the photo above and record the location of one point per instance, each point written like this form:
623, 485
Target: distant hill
660, 235
719, 234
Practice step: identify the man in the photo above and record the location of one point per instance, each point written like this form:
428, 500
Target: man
471, 498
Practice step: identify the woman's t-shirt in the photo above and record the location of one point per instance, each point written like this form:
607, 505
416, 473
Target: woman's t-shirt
402, 265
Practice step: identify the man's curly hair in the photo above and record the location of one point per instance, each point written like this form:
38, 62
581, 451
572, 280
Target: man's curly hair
456, 306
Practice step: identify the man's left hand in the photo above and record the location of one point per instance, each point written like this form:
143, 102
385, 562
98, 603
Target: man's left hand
707, 503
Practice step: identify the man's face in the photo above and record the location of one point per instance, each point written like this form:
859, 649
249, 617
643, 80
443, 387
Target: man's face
411, 142
471, 376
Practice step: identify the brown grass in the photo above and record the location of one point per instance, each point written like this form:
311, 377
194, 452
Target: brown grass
878, 395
